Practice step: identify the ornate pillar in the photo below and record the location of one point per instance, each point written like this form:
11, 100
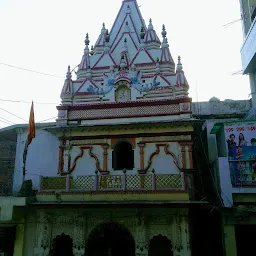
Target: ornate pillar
61, 156
42, 242
185, 236
190, 155
105, 156
140, 237
183, 153
177, 243
141, 145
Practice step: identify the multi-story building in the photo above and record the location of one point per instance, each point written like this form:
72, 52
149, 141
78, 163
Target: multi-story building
225, 157
248, 51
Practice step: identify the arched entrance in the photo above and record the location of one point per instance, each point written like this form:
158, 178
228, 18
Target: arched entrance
110, 239
62, 245
160, 245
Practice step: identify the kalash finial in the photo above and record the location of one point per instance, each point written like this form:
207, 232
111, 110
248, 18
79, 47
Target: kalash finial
107, 36
179, 65
87, 41
128, 10
103, 30
92, 50
150, 26
142, 33
68, 75
164, 33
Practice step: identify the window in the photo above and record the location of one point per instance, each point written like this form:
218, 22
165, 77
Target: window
123, 156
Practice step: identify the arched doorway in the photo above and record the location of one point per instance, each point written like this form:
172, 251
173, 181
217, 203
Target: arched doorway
110, 239
160, 245
62, 245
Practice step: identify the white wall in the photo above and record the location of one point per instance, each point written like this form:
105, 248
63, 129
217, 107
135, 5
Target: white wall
42, 157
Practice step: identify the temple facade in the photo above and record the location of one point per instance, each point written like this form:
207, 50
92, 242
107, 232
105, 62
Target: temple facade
115, 174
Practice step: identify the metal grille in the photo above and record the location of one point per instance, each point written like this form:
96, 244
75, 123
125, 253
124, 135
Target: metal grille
110, 182
83, 182
138, 182
53, 183
168, 181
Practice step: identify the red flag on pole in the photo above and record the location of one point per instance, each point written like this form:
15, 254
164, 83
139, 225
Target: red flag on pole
31, 125
30, 136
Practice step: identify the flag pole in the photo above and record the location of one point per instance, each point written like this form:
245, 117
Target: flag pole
31, 134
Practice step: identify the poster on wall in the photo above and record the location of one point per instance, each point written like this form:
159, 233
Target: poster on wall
240, 134
241, 148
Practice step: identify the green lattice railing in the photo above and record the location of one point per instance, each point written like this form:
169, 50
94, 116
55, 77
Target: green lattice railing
53, 183
113, 182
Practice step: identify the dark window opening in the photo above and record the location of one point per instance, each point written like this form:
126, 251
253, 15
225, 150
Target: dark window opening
245, 235
123, 156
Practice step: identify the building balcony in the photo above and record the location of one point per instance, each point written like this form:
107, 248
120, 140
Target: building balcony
248, 51
124, 187
243, 173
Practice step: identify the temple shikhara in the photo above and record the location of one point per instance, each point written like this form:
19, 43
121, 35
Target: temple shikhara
114, 175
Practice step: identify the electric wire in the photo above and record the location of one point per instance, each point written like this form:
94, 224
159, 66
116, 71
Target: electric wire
29, 102
32, 71
13, 114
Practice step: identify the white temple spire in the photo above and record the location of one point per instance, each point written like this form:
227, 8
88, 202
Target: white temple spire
68, 75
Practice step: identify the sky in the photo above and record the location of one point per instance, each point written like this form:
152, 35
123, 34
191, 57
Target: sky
46, 36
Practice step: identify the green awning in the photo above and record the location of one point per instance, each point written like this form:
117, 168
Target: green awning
216, 128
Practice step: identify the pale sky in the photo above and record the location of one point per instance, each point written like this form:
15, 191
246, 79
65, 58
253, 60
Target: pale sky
48, 35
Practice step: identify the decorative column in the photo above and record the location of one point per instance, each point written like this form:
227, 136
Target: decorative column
177, 243
183, 153
141, 145
140, 238
105, 157
190, 155
185, 236
61, 156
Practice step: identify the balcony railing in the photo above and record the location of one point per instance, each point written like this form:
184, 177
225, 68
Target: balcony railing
243, 173
122, 182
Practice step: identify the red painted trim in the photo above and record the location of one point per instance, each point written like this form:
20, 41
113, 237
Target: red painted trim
146, 51
87, 79
135, 28
100, 58
165, 80
118, 32
124, 104
122, 36
81, 155
167, 152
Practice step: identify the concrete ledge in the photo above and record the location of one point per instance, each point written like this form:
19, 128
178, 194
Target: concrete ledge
7, 204
112, 197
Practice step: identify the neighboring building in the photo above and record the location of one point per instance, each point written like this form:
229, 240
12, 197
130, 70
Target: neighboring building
7, 160
11, 218
115, 174
248, 51
225, 165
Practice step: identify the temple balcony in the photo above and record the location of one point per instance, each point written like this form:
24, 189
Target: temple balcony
128, 187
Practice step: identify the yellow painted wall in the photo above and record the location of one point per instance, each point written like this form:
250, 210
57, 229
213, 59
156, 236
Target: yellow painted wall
230, 239
19, 241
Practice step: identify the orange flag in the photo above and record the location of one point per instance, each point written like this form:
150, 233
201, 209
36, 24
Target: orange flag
31, 125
